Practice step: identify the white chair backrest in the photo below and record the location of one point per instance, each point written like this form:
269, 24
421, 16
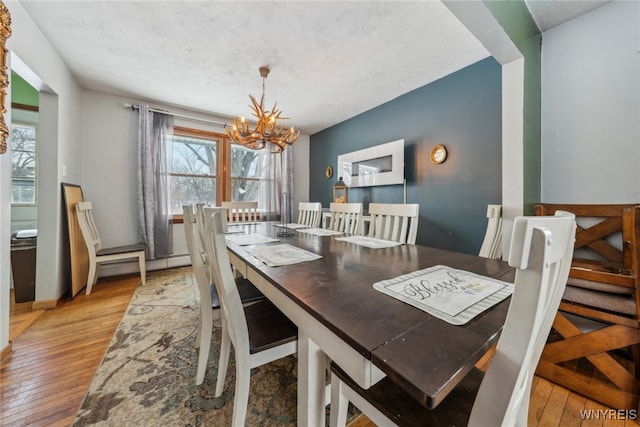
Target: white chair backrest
397, 222
195, 247
88, 227
345, 217
220, 268
309, 214
492, 244
241, 211
541, 250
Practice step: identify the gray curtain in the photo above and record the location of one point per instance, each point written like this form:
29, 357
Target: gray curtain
154, 194
276, 179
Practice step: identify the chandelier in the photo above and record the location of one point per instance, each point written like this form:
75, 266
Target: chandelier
267, 128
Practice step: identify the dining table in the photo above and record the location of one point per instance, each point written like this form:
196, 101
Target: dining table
341, 316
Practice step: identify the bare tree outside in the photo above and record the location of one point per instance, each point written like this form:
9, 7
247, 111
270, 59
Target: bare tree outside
23, 163
193, 171
245, 174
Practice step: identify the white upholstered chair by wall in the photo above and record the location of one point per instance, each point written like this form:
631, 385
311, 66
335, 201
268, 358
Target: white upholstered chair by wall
241, 211
492, 244
98, 254
260, 333
345, 217
397, 222
309, 213
541, 253
209, 303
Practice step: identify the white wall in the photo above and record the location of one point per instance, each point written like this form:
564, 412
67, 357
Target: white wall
60, 118
591, 107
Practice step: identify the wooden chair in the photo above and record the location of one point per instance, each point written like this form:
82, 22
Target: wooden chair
541, 253
603, 286
345, 217
241, 211
98, 254
260, 333
492, 244
209, 304
397, 222
309, 214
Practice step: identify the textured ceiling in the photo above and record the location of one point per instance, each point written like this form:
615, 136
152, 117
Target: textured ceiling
329, 60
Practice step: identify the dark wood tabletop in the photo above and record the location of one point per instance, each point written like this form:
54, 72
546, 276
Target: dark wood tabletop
422, 353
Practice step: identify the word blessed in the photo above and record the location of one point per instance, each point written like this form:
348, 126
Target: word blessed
609, 414
424, 289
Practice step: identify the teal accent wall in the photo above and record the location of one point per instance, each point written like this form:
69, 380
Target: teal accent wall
22, 92
515, 19
463, 112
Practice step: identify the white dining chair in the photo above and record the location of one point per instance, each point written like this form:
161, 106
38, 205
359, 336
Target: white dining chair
541, 253
309, 213
259, 333
492, 243
241, 211
345, 217
209, 302
394, 221
98, 254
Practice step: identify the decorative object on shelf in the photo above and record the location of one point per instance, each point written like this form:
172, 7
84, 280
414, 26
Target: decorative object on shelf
285, 216
266, 129
5, 32
438, 154
328, 172
340, 192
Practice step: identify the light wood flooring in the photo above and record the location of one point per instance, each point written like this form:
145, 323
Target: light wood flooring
56, 352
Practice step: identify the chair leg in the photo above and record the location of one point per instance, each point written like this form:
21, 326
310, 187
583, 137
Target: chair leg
223, 362
241, 398
143, 268
92, 276
204, 343
339, 403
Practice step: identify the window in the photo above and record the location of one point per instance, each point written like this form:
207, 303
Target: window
245, 174
207, 168
23, 164
194, 170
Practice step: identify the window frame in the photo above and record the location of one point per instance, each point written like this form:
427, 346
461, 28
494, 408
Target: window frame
223, 163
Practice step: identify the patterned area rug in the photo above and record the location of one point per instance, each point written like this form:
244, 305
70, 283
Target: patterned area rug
147, 377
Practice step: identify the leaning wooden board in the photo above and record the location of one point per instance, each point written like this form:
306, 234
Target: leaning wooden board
78, 252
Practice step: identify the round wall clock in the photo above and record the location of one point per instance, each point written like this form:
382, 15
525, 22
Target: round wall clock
328, 172
438, 154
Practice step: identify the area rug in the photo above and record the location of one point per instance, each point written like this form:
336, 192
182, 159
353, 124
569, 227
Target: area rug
147, 377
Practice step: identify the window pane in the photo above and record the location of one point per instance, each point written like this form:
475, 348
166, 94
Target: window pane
193, 156
23, 137
244, 162
23, 191
244, 191
188, 190
23, 164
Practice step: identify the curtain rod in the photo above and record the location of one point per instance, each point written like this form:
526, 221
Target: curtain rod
137, 107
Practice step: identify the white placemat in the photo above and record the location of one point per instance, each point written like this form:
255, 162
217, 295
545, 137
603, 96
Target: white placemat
234, 229
369, 242
320, 232
281, 254
291, 226
250, 239
455, 296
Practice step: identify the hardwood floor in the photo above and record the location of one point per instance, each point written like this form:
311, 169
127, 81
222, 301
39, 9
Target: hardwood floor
56, 352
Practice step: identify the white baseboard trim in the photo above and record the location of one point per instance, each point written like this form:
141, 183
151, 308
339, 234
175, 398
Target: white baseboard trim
131, 267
